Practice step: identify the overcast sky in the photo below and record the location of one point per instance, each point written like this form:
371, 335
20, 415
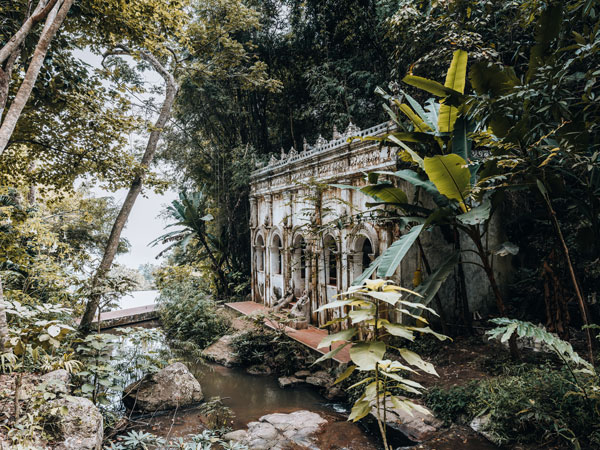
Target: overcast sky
143, 225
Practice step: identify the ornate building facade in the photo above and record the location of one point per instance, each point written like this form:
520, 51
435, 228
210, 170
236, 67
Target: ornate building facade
311, 237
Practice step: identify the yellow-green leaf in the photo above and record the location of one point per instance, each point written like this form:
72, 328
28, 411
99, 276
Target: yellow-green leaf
450, 175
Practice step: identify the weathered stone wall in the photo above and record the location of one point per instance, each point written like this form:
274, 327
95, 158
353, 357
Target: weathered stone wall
289, 253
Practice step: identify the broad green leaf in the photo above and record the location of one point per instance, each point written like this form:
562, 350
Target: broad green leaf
344, 335
330, 354
362, 314
413, 178
433, 282
402, 404
365, 356
415, 360
334, 304
420, 111
418, 306
360, 410
53, 330
393, 255
450, 175
431, 86
345, 374
455, 80
478, 215
399, 330
386, 193
388, 297
461, 145
428, 330
418, 123
367, 272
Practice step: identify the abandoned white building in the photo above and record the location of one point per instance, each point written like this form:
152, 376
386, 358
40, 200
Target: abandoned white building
292, 198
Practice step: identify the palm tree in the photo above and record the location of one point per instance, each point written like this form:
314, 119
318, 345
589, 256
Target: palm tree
190, 213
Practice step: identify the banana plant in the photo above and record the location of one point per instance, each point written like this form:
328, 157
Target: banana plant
443, 170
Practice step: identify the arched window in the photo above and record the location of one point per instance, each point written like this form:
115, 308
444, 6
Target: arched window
363, 255
276, 263
259, 251
331, 260
367, 253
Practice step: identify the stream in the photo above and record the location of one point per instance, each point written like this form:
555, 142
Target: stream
248, 396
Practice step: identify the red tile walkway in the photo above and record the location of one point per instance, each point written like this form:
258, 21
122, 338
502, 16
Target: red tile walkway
311, 337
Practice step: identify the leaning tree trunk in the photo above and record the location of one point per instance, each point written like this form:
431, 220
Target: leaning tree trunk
3, 321
54, 20
134, 190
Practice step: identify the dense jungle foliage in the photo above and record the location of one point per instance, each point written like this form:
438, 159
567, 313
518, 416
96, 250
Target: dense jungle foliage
496, 106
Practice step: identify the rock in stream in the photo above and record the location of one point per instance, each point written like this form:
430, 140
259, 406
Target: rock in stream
172, 387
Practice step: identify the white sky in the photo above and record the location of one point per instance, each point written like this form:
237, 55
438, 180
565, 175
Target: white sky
143, 225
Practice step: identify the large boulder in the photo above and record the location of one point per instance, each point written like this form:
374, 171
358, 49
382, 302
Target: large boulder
172, 387
79, 423
414, 424
280, 431
221, 352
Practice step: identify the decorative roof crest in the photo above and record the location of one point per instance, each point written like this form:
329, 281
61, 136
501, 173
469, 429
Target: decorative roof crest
321, 141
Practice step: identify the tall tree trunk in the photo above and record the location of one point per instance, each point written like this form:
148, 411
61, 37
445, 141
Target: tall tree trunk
54, 20
3, 321
134, 190
42, 10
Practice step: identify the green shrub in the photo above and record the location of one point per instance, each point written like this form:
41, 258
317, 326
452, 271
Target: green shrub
539, 405
452, 405
188, 314
273, 349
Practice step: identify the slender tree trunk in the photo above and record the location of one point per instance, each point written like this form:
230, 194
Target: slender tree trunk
5, 77
489, 271
3, 321
54, 20
134, 190
565, 249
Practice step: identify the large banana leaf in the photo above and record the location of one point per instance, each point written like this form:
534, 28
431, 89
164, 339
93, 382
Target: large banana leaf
477, 215
367, 272
417, 121
450, 175
413, 178
386, 193
393, 255
433, 282
435, 88
427, 117
455, 80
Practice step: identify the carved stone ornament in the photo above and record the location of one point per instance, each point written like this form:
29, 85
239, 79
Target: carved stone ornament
352, 130
293, 152
321, 141
273, 160
304, 145
336, 133
283, 155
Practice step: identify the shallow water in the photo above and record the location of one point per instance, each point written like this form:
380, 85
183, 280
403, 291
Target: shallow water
249, 397
252, 396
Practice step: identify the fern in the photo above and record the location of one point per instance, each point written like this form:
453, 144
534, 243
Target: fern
528, 330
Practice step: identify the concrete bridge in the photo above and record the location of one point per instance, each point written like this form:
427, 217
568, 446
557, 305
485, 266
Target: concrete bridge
129, 316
